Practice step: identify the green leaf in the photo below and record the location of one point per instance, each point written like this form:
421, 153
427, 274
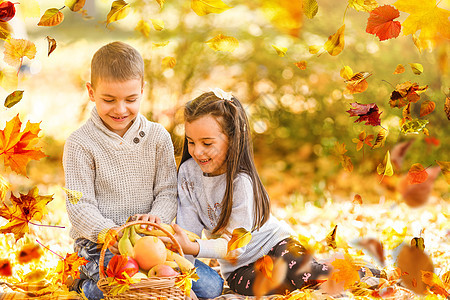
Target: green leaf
310, 8
414, 126
13, 98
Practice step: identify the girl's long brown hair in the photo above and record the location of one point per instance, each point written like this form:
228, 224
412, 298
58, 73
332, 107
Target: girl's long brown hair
234, 123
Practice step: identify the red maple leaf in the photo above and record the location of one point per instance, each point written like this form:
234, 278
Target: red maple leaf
381, 22
366, 112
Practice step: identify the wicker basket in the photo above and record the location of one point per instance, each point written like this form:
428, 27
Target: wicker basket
156, 288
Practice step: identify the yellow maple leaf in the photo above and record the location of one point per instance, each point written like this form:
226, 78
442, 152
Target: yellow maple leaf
16, 50
69, 266
4, 187
143, 27
346, 271
18, 148
426, 16
223, 43
204, 7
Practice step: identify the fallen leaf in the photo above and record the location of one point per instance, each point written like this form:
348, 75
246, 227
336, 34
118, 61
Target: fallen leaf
51, 45
13, 98
158, 24
426, 107
119, 10
301, 64
414, 126
445, 169
204, 7
405, 93
281, 51
168, 62
331, 238
366, 112
381, 22
17, 148
51, 17
416, 174
69, 266
239, 238
399, 69
385, 168
363, 5
7, 11
416, 68
29, 252
75, 5
143, 27
345, 271
73, 196
434, 283
335, 43
223, 43
16, 50
5, 267
310, 8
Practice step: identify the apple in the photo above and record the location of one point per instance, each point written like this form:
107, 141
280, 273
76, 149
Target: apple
139, 275
162, 270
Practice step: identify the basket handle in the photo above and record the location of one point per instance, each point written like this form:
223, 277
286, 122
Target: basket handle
105, 245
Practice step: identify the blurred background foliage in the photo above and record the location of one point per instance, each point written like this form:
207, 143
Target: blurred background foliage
296, 115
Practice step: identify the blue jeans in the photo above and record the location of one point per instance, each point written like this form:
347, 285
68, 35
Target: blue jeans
209, 284
90, 272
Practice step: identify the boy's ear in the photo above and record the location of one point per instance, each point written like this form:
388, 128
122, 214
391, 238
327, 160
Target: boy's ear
90, 91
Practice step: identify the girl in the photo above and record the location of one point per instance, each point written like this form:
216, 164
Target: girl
220, 190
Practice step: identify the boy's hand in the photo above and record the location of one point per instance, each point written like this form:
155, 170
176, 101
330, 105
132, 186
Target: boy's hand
147, 217
189, 247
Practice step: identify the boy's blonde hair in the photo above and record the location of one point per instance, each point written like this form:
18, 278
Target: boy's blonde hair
116, 61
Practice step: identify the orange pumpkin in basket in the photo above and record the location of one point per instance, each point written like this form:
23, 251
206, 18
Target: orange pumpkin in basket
149, 251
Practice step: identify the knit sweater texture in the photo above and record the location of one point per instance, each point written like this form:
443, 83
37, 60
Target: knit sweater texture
118, 176
199, 207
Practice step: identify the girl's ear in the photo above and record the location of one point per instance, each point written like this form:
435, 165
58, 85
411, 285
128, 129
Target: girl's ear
90, 91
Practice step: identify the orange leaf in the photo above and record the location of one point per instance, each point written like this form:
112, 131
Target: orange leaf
346, 271
357, 83
265, 265
357, 199
16, 50
70, 266
335, 43
5, 267
399, 69
426, 107
51, 17
331, 238
417, 174
4, 187
23, 210
262, 284
301, 64
381, 22
51, 45
405, 93
239, 238
447, 107
29, 252
17, 148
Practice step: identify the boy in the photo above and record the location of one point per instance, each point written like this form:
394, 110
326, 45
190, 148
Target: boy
122, 163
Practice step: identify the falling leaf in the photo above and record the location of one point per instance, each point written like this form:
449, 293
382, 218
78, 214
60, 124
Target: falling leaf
51, 17
281, 51
168, 62
365, 112
17, 148
314, 49
29, 252
160, 3
335, 43
381, 138
239, 238
286, 15
223, 43
381, 22
446, 278
345, 271
385, 168
13, 98
412, 261
418, 242
432, 141
51, 45
447, 107
362, 139
204, 7
69, 266
363, 5
143, 27
16, 50
426, 107
160, 45
73, 196
357, 199
357, 83
346, 72
107, 236
301, 64
23, 210
5, 31
310, 8
263, 285
7, 11
4, 187
374, 248
405, 93
416, 68
119, 10
30, 8
414, 126
426, 16
345, 160
265, 266
331, 238
9, 78
399, 69
75, 5
5, 267
445, 169
416, 174
158, 24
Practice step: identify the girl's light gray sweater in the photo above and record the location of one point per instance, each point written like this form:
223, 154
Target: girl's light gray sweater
199, 209
118, 176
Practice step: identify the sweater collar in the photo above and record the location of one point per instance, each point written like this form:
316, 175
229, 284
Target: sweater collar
132, 132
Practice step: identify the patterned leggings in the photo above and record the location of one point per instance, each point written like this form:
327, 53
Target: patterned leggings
299, 274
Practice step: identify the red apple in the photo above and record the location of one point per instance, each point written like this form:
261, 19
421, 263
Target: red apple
120, 264
162, 270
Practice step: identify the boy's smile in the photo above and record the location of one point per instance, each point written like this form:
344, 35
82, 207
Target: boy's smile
117, 102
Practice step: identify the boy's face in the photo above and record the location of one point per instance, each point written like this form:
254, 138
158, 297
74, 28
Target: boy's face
117, 102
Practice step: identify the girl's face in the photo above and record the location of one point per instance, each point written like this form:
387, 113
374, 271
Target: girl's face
207, 144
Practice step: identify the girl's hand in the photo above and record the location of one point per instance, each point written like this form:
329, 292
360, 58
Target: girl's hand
189, 247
